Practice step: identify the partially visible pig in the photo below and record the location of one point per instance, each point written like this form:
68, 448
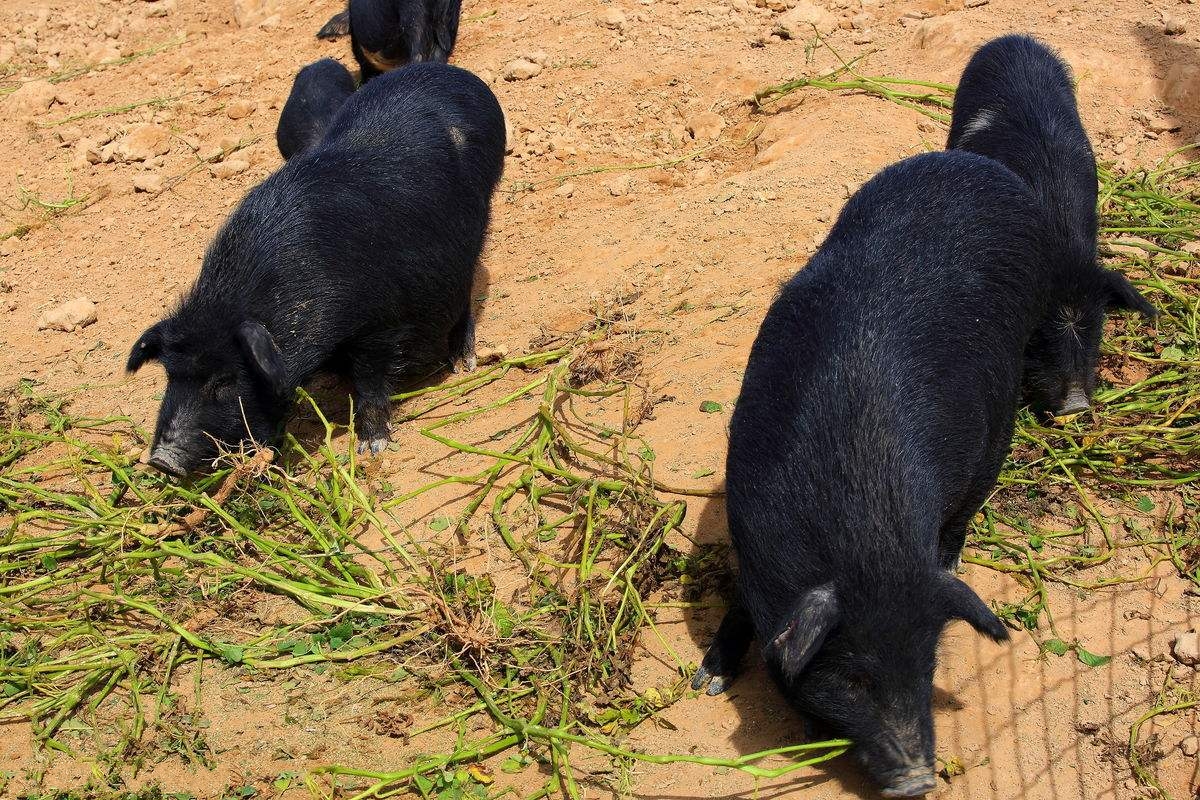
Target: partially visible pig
338, 25
876, 410
318, 92
357, 257
1016, 104
385, 34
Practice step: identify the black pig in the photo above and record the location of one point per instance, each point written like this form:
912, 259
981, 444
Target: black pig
357, 257
318, 92
385, 34
875, 413
1016, 104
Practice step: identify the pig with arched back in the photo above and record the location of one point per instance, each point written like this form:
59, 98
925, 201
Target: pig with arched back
1016, 104
876, 411
357, 257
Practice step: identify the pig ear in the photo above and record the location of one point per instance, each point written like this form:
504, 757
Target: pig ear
803, 632
961, 602
147, 347
264, 355
1122, 295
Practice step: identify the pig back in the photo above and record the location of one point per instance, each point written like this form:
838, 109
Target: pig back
881, 374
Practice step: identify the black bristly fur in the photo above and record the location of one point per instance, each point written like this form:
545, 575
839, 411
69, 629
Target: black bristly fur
875, 413
1016, 104
357, 256
385, 34
318, 92
338, 25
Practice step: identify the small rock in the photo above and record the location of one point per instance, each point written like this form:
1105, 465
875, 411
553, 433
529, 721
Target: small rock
271, 22
612, 18
488, 355
150, 182
566, 190
143, 142
69, 134
87, 152
10, 246
706, 126
540, 57
975, 3
1155, 124
1186, 648
248, 13
521, 70
1141, 653
799, 22
31, 99
240, 109
229, 168
1190, 746
619, 186
71, 315
1173, 24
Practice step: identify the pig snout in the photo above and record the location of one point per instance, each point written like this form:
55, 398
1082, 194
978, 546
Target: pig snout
169, 460
1075, 402
916, 782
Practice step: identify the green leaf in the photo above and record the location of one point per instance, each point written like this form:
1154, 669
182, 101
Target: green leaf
646, 453
440, 524
10, 689
424, 785
1056, 646
514, 764
1172, 353
1036, 541
503, 619
343, 630
49, 563
703, 473
301, 649
1145, 504
1091, 659
711, 407
232, 653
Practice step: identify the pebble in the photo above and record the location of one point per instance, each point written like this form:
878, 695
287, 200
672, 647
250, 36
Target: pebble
150, 182
143, 142
1173, 24
31, 99
71, 315
566, 190
487, 355
240, 109
229, 168
248, 13
798, 23
612, 18
1190, 746
1186, 648
539, 57
706, 126
620, 186
87, 151
1155, 124
520, 69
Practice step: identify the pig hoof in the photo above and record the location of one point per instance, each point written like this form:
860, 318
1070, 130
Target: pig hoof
716, 683
467, 364
375, 446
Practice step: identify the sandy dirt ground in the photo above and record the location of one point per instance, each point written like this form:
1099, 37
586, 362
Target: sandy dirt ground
161, 148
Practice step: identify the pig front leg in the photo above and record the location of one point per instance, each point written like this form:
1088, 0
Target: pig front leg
371, 364
723, 660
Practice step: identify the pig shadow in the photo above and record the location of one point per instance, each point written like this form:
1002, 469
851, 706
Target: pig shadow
1177, 79
332, 392
765, 719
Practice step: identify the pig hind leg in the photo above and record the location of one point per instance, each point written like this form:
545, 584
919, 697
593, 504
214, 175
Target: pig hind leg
723, 660
462, 342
